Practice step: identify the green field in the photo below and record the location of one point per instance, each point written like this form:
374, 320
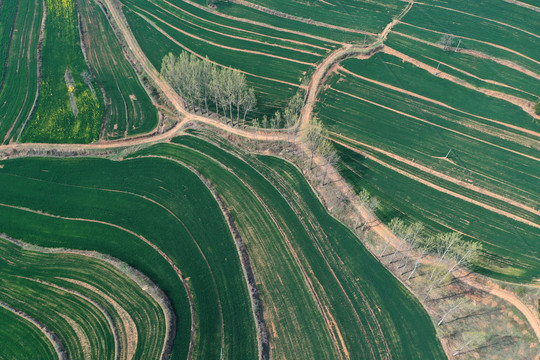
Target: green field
56, 119
20, 23
167, 216
21, 339
275, 62
282, 13
469, 158
97, 309
159, 234
296, 254
128, 108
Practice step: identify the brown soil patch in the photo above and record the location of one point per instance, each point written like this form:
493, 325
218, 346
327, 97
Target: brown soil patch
81, 335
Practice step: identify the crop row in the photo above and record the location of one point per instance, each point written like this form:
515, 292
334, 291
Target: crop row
19, 62
69, 108
512, 34
171, 217
136, 320
21, 338
310, 262
128, 108
440, 159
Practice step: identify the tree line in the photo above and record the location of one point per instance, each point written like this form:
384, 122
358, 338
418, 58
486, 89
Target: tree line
202, 85
449, 250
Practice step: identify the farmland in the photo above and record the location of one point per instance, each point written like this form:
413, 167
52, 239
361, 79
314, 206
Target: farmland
21, 338
380, 202
69, 109
206, 256
100, 307
475, 168
21, 21
128, 108
306, 258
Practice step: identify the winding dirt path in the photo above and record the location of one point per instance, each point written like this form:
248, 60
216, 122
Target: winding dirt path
311, 96
471, 279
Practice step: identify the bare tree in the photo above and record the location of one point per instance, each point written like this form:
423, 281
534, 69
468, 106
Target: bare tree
313, 138
446, 41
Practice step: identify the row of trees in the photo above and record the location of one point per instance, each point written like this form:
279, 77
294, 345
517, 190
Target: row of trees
202, 85
449, 250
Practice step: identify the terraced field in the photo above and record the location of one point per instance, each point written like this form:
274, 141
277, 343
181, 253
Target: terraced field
276, 64
128, 108
92, 207
93, 309
308, 283
448, 137
69, 109
21, 338
181, 244
277, 54
21, 21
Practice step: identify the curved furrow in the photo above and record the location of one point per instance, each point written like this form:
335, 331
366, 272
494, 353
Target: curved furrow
152, 245
300, 19
439, 174
288, 316
52, 338
261, 24
140, 311
479, 17
436, 125
478, 41
437, 187
439, 103
110, 321
526, 106
478, 54
71, 317
247, 51
164, 33
168, 205
229, 35
245, 30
